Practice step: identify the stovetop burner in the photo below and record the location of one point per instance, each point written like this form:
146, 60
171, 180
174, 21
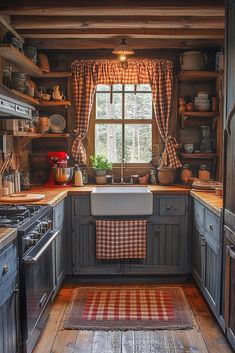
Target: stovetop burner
14, 215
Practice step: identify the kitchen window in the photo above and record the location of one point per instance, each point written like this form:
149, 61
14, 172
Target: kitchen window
123, 124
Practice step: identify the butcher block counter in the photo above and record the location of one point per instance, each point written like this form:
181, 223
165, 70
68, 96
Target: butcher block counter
6, 236
54, 195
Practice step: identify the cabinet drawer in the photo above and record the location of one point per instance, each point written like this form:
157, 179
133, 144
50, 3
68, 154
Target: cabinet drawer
58, 214
198, 215
82, 206
8, 263
172, 206
212, 225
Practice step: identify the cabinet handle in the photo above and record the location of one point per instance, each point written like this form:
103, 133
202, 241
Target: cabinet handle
211, 227
157, 231
5, 269
203, 240
229, 120
168, 207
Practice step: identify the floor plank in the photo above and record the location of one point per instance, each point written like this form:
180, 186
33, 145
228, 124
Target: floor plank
205, 337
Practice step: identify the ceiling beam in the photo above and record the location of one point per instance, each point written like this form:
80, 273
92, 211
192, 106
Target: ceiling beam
68, 44
125, 32
117, 8
76, 22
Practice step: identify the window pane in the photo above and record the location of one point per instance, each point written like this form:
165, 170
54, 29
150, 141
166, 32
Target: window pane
129, 87
138, 143
106, 110
103, 88
145, 87
108, 141
117, 87
138, 106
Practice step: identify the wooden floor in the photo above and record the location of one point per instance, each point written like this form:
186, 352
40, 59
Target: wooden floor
205, 337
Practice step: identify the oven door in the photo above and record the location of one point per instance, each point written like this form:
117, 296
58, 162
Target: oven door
38, 285
229, 248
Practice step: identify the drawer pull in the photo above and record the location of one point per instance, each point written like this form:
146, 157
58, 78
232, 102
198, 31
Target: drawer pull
211, 227
157, 231
5, 269
168, 207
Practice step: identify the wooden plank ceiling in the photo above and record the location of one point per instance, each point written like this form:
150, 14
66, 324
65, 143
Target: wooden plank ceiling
96, 24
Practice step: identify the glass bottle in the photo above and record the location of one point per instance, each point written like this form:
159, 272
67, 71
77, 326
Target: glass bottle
85, 176
153, 179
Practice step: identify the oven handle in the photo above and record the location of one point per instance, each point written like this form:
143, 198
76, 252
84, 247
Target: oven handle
30, 260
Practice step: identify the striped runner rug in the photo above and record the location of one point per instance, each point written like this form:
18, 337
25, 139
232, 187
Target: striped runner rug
128, 308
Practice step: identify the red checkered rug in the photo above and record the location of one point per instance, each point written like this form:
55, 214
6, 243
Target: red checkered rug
128, 307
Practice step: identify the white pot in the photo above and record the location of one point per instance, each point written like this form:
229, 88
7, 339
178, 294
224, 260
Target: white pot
193, 60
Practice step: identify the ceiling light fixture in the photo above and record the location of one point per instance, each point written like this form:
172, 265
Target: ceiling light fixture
123, 50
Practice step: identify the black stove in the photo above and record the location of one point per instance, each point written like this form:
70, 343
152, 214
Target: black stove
14, 216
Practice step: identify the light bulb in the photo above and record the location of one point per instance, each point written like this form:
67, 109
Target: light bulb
122, 57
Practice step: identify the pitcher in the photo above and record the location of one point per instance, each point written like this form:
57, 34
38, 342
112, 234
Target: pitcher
56, 94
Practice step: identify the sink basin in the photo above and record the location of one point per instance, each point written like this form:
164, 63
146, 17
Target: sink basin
121, 201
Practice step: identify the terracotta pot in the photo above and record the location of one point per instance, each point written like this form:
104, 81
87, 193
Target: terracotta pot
100, 180
166, 175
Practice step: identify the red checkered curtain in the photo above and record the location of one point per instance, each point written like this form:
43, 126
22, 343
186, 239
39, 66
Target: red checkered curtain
87, 74
162, 85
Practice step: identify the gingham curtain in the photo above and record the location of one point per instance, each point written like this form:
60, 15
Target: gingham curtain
86, 74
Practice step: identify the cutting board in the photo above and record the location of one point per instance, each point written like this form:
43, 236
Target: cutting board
22, 198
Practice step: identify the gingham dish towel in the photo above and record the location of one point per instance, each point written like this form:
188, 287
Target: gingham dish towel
121, 239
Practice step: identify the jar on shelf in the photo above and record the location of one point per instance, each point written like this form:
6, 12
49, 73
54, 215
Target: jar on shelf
204, 172
186, 173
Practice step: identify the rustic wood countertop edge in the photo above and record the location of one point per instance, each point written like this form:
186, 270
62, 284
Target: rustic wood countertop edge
7, 235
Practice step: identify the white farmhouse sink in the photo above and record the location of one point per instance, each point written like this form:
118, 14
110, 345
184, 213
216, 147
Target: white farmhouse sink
121, 201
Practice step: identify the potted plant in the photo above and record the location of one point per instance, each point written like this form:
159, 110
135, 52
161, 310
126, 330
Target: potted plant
166, 174
100, 165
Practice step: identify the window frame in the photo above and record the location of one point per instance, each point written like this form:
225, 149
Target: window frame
123, 122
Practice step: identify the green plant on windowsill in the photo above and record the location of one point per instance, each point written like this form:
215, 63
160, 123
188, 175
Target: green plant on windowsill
100, 165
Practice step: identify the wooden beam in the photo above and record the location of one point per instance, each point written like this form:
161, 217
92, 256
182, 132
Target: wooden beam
89, 22
8, 27
117, 8
125, 32
68, 44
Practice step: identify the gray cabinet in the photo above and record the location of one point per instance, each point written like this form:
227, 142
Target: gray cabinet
9, 333
59, 245
166, 240
207, 255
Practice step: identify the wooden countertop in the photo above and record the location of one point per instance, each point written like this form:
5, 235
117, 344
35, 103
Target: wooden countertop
6, 236
55, 195
210, 200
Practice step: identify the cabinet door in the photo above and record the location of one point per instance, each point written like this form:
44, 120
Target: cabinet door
166, 250
212, 279
84, 252
199, 244
9, 324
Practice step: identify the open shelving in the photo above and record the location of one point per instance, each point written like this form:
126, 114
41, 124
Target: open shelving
198, 155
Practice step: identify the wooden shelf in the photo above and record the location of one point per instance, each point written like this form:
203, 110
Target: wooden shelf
200, 114
27, 98
55, 74
54, 103
33, 134
20, 60
198, 155
198, 75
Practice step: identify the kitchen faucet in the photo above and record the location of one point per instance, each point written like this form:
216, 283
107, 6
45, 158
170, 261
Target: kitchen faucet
123, 165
